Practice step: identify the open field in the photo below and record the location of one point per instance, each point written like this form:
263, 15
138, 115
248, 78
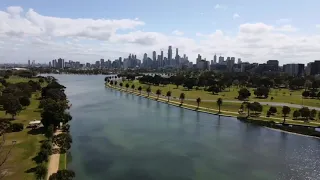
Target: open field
279, 95
229, 108
20, 164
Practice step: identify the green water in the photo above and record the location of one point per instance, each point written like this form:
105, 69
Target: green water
118, 136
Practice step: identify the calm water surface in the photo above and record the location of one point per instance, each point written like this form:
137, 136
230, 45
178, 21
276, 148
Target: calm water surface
118, 136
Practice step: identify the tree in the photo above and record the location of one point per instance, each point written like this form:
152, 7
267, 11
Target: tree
285, 111
247, 105
139, 89
115, 83
244, 93
132, 87
24, 101
41, 172
63, 175
256, 107
169, 95
121, 84
305, 113
63, 140
262, 91
158, 92
127, 86
178, 80
148, 90
198, 100
53, 113
219, 103
189, 83
296, 114
41, 80
313, 114
111, 82
12, 106
305, 94
272, 110
182, 97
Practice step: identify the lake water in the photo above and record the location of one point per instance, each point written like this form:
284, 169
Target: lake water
119, 136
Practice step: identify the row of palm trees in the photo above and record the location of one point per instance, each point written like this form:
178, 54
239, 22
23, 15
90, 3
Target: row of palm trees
168, 95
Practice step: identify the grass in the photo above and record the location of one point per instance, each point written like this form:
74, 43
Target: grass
231, 109
20, 164
279, 95
63, 161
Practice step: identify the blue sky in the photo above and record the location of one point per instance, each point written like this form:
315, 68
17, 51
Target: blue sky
187, 16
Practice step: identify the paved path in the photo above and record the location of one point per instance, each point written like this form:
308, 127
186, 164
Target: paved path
53, 165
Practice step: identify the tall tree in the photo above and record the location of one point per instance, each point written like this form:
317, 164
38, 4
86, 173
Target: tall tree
12, 106
244, 93
296, 114
168, 95
63, 140
41, 172
132, 87
305, 113
219, 103
121, 84
285, 111
198, 100
148, 91
24, 101
158, 92
182, 97
140, 89
63, 175
127, 86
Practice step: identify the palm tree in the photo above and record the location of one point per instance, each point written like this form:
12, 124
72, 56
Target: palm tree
285, 110
158, 92
139, 89
148, 90
182, 97
127, 86
121, 84
248, 106
219, 103
169, 95
115, 83
198, 102
132, 87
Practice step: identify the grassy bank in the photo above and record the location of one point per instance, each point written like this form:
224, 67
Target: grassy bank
63, 161
20, 164
279, 95
227, 109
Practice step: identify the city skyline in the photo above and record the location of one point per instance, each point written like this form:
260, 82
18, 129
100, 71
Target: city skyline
253, 31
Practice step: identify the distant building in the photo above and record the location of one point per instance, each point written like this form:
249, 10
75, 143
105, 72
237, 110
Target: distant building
314, 67
294, 69
273, 64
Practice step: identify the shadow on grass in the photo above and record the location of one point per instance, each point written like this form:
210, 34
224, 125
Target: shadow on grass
36, 131
31, 170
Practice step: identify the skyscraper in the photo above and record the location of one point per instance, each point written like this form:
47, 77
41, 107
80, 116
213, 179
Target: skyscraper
154, 56
102, 63
215, 59
170, 55
161, 60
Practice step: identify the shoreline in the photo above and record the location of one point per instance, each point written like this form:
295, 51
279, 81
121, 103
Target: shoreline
176, 104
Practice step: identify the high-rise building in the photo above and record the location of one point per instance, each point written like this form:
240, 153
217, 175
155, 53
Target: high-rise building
154, 56
29, 63
215, 59
274, 65
102, 63
294, 69
221, 60
170, 55
315, 67
239, 61
161, 60
60, 63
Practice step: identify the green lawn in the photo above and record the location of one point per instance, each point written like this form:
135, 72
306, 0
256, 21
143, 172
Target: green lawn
20, 164
229, 108
62, 161
279, 95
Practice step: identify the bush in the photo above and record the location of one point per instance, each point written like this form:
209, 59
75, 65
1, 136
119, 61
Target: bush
16, 127
6, 76
43, 155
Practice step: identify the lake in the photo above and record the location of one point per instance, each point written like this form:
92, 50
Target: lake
119, 136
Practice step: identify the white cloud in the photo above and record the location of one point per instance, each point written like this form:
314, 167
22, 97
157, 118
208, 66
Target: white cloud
283, 21
318, 26
220, 6
287, 28
235, 16
43, 38
178, 33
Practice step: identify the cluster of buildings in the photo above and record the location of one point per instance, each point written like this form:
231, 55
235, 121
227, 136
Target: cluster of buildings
175, 61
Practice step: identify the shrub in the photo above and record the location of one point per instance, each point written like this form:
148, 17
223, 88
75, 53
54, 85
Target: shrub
16, 127
43, 155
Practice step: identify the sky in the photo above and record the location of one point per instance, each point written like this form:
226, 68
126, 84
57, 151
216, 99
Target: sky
86, 31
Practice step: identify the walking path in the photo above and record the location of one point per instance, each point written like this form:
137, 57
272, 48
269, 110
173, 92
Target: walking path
53, 165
